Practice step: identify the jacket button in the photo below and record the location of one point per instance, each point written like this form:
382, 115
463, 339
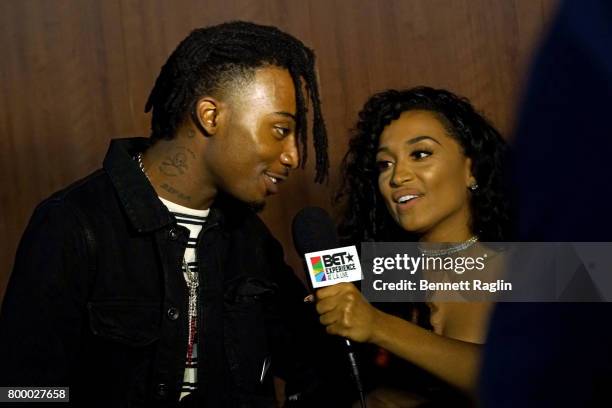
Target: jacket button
173, 234
173, 313
161, 390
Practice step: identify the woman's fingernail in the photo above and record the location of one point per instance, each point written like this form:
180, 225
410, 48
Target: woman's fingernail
309, 299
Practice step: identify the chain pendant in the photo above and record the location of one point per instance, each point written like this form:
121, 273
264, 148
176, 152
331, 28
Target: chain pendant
192, 285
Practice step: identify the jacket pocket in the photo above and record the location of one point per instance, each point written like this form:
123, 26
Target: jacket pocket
246, 346
130, 323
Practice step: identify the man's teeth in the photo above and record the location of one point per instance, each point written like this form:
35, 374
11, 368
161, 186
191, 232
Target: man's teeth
406, 198
274, 180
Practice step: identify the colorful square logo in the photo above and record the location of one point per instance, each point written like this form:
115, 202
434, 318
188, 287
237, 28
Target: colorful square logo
317, 268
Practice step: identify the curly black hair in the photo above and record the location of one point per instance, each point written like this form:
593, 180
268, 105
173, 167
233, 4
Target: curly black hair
365, 216
215, 60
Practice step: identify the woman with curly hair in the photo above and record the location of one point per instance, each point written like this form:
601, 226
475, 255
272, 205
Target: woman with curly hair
423, 166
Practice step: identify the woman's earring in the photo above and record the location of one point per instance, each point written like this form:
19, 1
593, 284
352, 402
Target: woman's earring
474, 186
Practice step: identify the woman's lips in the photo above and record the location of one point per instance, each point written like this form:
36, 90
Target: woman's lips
407, 205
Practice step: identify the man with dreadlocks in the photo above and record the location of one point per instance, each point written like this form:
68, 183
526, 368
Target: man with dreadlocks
152, 282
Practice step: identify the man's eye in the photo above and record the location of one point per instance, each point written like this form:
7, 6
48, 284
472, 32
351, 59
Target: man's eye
382, 165
282, 131
420, 154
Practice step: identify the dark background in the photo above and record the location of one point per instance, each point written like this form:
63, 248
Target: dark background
76, 73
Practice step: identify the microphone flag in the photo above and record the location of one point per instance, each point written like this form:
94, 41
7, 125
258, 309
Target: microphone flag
333, 266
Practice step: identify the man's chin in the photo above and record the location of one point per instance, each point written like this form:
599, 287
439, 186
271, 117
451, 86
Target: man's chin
257, 206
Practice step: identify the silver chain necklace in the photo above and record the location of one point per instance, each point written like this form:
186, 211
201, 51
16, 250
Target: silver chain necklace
192, 277
450, 250
192, 309
141, 165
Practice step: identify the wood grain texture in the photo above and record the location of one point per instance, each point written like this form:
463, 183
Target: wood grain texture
76, 73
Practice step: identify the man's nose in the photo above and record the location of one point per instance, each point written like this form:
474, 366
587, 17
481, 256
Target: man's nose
290, 157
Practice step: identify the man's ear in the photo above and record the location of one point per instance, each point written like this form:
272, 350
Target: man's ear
205, 115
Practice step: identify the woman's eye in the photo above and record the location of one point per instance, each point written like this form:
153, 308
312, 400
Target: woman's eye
382, 165
420, 154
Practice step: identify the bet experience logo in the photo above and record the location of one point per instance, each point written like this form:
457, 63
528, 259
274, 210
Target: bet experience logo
333, 265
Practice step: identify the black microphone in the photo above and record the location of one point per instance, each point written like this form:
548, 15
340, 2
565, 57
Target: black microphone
313, 230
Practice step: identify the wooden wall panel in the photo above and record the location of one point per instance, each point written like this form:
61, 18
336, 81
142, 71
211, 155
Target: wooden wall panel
76, 73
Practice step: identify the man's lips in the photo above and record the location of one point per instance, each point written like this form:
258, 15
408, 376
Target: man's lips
276, 178
272, 181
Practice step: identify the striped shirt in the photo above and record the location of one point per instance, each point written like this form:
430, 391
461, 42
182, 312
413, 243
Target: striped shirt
193, 220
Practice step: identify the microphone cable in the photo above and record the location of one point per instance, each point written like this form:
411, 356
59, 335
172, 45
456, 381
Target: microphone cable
355, 372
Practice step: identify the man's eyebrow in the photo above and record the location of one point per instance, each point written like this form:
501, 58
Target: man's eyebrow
287, 114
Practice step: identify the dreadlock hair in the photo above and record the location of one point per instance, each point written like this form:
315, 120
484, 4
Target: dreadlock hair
213, 59
366, 217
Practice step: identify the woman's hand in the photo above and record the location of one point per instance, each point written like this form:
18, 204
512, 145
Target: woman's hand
345, 312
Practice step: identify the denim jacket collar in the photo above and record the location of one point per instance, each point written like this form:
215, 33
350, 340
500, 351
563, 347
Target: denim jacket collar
136, 194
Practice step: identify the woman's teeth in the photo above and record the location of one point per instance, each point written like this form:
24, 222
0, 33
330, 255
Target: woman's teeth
406, 198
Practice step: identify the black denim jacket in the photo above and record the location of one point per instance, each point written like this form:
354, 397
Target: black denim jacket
97, 300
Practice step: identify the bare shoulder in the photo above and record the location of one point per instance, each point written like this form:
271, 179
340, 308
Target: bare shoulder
466, 321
